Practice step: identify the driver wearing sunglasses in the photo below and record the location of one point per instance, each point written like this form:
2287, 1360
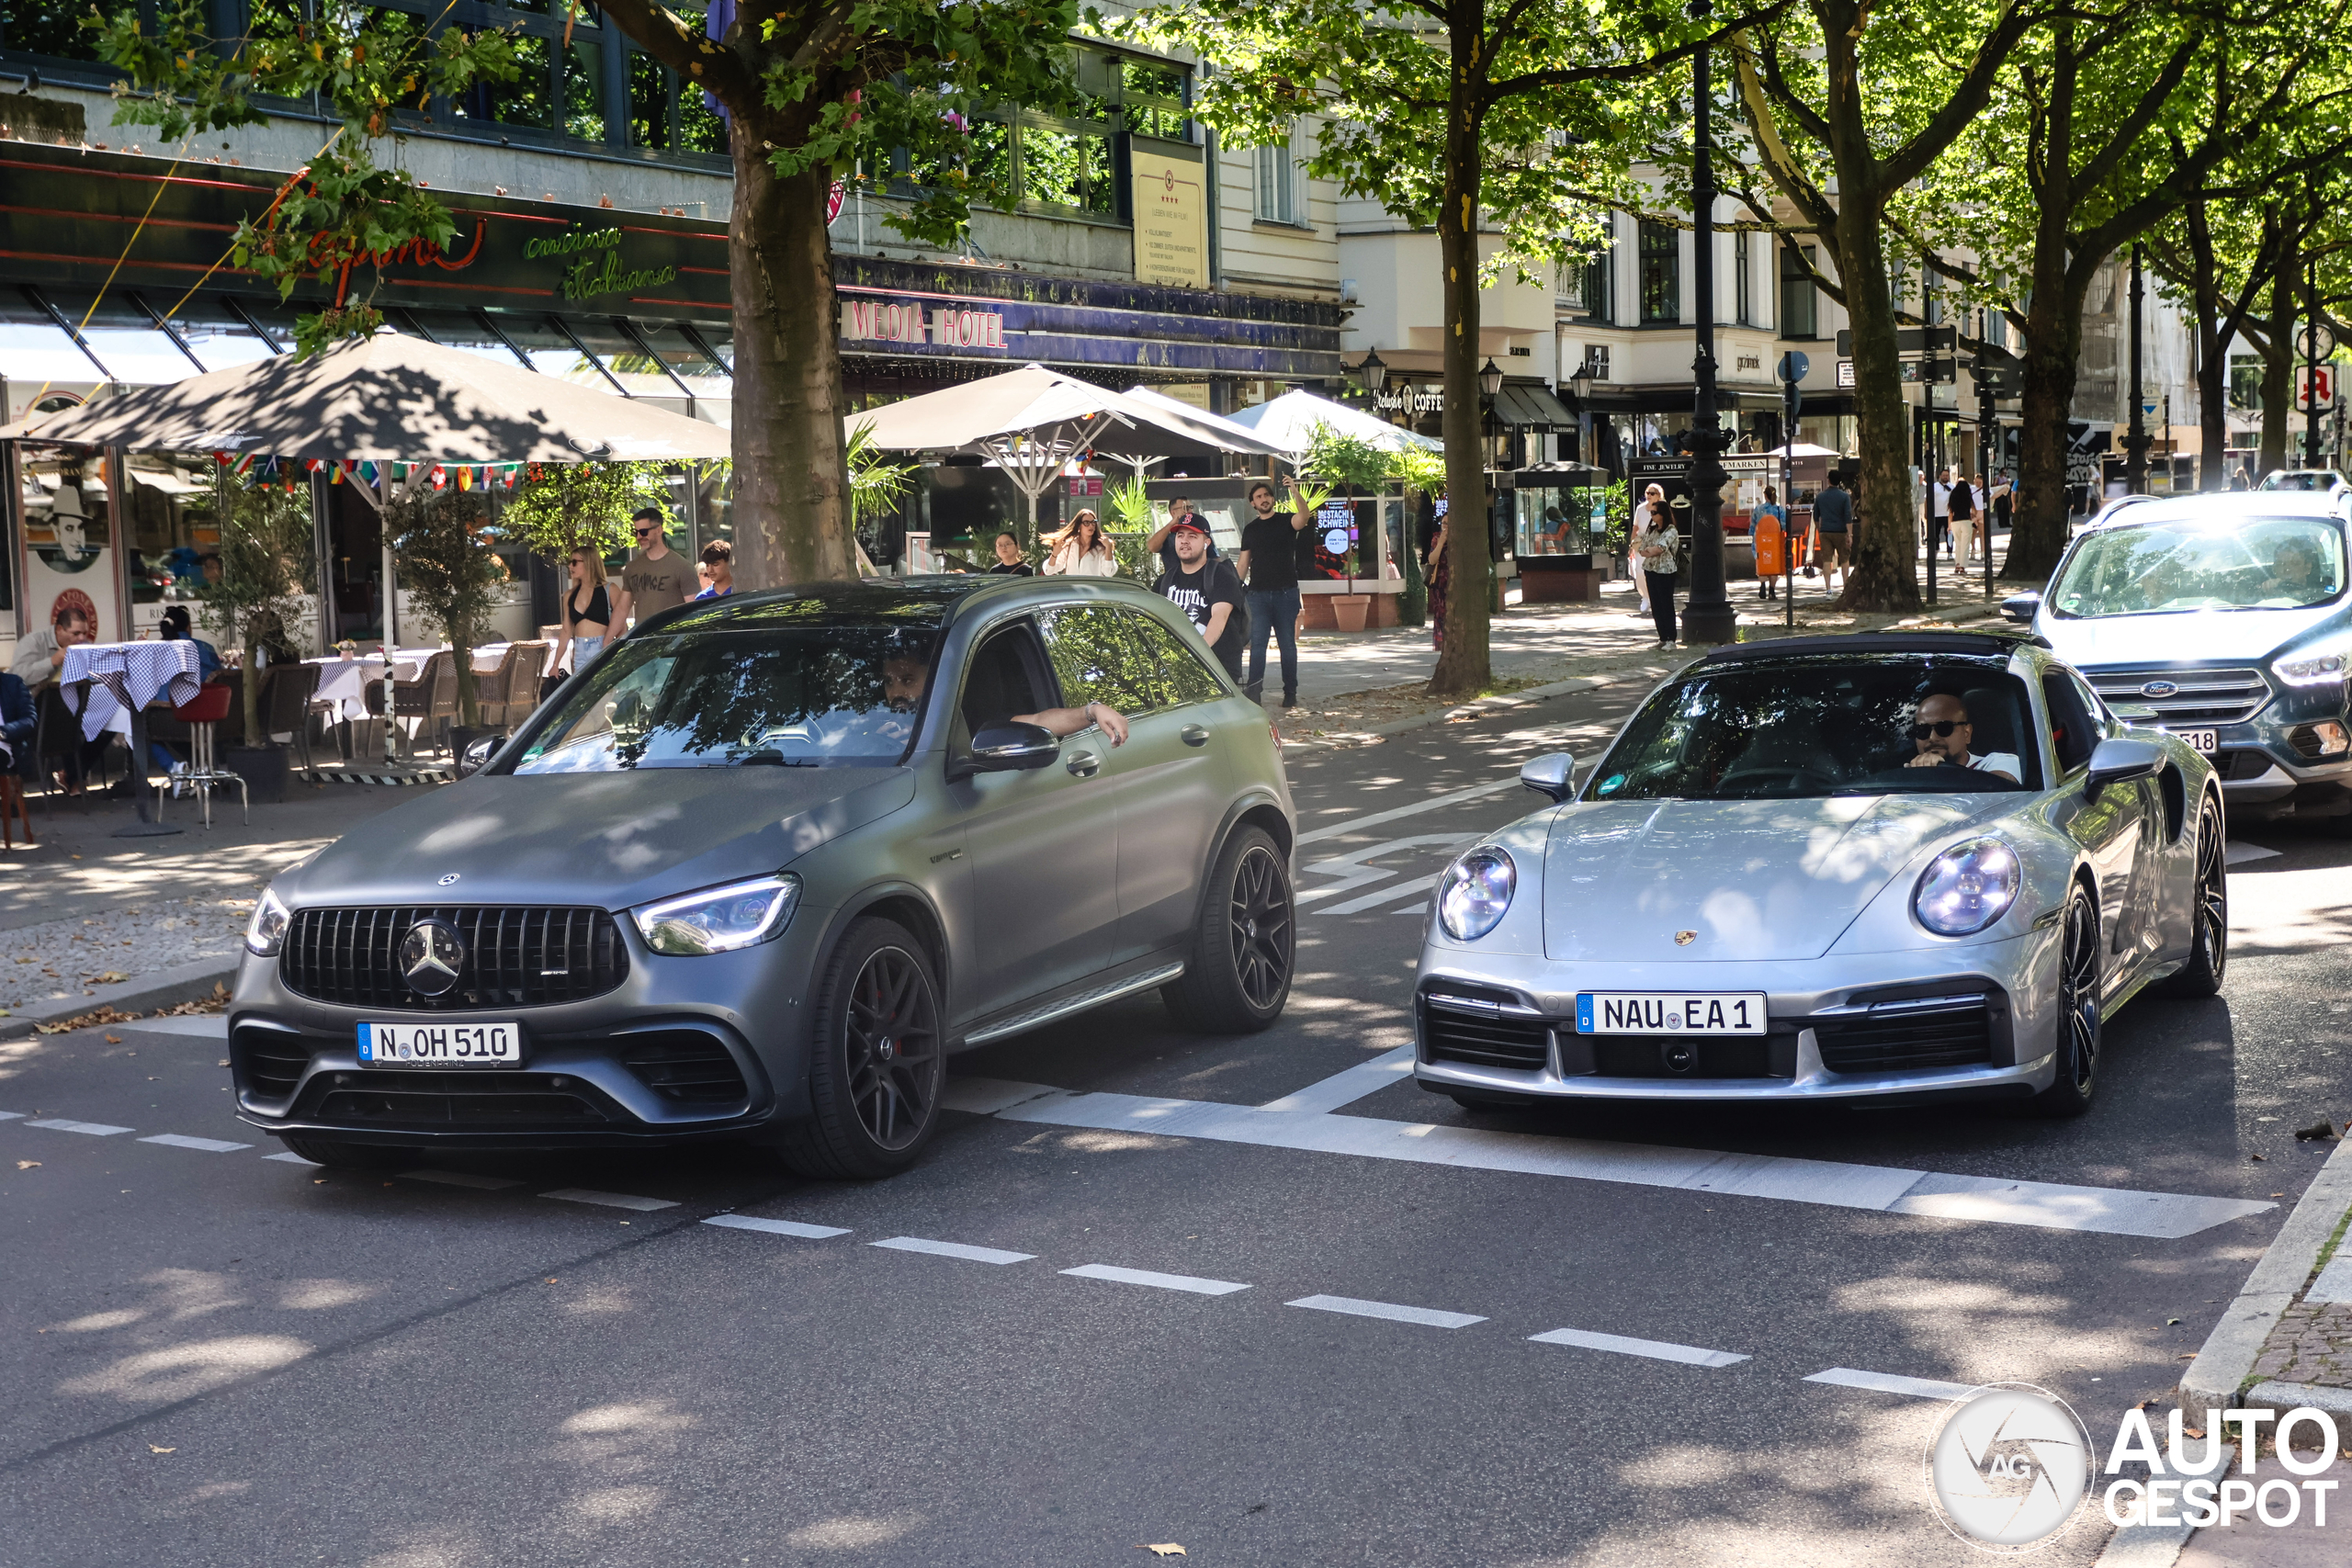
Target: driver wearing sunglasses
1941, 732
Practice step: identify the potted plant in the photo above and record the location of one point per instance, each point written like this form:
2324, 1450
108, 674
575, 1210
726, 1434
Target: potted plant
265, 544
442, 540
1352, 463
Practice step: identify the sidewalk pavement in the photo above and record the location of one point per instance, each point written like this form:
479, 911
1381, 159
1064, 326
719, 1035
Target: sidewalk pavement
1367, 681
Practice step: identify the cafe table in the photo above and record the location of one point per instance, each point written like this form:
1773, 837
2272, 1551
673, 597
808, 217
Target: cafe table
113, 683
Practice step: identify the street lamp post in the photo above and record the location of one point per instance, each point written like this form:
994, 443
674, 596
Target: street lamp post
2135, 444
1708, 616
1580, 389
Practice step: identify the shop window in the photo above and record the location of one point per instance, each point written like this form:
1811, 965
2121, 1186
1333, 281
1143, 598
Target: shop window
650, 88
1600, 285
583, 90
1660, 251
1799, 316
1067, 168
1152, 100
1281, 185
528, 100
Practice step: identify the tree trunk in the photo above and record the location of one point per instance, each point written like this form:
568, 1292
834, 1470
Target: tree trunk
2053, 340
791, 480
1885, 575
1464, 667
2278, 361
2216, 329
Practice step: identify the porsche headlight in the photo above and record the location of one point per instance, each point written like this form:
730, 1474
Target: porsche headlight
265, 932
1476, 893
1967, 887
720, 919
2321, 664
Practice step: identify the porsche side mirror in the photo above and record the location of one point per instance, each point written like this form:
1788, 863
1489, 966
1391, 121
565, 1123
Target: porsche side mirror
1012, 749
1550, 775
2121, 761
2020, 607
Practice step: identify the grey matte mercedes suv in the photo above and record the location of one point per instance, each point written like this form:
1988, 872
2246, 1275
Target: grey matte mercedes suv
754, 872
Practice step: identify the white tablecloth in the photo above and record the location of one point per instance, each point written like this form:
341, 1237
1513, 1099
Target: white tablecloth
408, 663
343, 682
124, 676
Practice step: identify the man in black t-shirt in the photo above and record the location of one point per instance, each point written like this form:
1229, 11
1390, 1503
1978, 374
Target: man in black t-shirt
1179, 509
1209, 592
1270, 561
1008, 558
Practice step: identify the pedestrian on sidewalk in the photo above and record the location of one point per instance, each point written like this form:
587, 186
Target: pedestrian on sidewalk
1437, 574
655, 578
1179, 509
1652, 505
2003, 497
1082, 549
587, 615
1768, 527
1659, 549
1209, 592
719, 568
1269, 564
1962, 508
1939, 513
1833, 523
1008, 558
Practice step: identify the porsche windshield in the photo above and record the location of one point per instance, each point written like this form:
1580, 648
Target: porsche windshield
812, 697
2156, 569
1807, 726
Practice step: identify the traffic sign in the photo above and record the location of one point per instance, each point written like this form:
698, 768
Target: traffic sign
1845, 372
2314, 387
1793, 366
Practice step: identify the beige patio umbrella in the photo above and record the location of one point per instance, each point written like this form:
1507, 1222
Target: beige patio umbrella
385, 399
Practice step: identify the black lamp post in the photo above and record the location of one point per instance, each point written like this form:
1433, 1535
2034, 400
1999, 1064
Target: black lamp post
1490, 377
1374, 372
1708, 616
2135, 441
1580, 389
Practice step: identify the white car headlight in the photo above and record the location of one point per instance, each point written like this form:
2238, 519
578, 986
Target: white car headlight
720, 919
1967, 887
265, 932
1476, 893
2319, 665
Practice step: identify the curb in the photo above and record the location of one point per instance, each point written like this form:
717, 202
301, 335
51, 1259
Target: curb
181, 983
2224, 1365
1348, 739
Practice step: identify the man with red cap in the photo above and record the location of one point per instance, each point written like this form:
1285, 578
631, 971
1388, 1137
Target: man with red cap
1209, 592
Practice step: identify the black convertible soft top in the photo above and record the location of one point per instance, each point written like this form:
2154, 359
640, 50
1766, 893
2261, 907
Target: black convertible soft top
1988, 644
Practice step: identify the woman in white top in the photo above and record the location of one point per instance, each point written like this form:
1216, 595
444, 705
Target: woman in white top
1652, 504
1082, 549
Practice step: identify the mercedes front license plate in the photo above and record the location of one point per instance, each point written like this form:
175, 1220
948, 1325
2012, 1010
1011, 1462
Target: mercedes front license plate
440, 1046
1671, 1012
2206, 741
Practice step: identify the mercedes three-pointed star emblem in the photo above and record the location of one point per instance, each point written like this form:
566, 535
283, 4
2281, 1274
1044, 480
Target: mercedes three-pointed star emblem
432, 954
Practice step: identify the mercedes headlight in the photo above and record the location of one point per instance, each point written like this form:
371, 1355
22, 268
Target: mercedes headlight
1967, 887
720, 919
2321, 664
1476, 893
265, 932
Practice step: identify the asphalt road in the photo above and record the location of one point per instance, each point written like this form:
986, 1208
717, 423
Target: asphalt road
1300, 1337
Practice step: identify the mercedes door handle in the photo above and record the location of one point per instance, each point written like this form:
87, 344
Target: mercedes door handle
1083, 764
1195, 734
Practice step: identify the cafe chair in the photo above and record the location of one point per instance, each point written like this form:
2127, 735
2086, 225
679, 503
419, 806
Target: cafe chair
286, 708
418, 705
202, 714
524, 664
12, 811
58, 745
491, 688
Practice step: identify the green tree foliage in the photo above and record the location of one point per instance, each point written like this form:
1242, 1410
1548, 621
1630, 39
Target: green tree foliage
363, 67
560, 507
266, 553
813, 90
444, 541
1505, 125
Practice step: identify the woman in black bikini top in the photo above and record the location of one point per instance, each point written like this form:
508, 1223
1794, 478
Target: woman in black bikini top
587, 611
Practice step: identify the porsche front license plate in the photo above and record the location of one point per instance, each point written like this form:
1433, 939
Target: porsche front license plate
440, 1046
1671, 1012
2205, 741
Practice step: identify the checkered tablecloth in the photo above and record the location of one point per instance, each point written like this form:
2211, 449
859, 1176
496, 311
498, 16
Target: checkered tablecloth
343, 682
117, 678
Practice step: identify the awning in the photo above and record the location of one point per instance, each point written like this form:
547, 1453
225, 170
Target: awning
1531, 408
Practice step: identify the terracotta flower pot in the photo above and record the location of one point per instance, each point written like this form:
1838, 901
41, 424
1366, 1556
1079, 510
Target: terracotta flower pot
1349, 610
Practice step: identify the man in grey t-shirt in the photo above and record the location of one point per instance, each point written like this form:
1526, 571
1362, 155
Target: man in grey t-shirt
657, 578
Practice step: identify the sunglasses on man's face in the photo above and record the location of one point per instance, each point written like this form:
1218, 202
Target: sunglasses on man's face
643, 533
1921, 731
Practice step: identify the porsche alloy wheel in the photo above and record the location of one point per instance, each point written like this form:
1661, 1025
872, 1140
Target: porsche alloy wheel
2078, 1012
2208, 915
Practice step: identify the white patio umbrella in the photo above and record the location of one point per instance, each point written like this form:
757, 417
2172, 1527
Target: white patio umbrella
1290, 420
1032, 421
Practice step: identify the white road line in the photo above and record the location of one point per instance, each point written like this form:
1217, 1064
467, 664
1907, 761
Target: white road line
1198, 1287
1887, 1383
1380, 896
1476, 791
11, 1115
953, 1249
202, 1146
2240, 853
608, 1200
460, 1179
95, 1129
1355, 870
1394, 1313
1880, 1189
775, 1227
1656, 1349
1350, 1085
290, 1158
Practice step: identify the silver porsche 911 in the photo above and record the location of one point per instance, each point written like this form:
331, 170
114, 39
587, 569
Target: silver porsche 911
1898, 866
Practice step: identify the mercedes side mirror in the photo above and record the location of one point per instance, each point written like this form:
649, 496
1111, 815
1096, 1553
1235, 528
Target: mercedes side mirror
478, 753
1012, 749
2121, 761
2020, 607
1550, 775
